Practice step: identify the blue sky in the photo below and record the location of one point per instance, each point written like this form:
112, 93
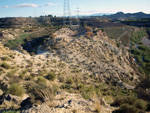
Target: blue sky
25, 8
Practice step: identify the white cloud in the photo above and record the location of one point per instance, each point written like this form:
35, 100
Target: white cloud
49, 4
26, 5
4, 6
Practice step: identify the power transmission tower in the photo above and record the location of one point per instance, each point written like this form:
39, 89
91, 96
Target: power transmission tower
67, 14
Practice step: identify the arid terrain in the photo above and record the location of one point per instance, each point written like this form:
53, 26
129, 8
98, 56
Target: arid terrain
77, 69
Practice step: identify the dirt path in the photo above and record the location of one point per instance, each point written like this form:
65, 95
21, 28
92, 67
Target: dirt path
122, 35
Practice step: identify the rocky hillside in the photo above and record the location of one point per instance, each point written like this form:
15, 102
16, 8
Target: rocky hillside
10, 34
2, 49
29, 22
97, 56
72, 72
19, 74
18, 22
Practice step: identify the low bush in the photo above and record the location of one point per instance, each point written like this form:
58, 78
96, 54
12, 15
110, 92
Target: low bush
22, 74
80, 86
85, 95
51, 76
13, 44
39, 92
11, 73
5, 58
129, 104
140, 104
5, 65
66, 86
136, 52
121, 100
41, 79
16, 89
126, 108
69, 81
10, 111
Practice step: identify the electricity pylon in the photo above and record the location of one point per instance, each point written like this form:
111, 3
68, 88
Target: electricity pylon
67, 14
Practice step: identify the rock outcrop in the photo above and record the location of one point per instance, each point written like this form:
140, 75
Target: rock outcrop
68, 103
97, 55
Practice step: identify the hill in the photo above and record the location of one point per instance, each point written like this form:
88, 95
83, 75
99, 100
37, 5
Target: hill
134, 16
85, 65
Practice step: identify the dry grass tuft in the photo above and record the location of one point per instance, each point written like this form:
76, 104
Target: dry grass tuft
97, 105
40, 93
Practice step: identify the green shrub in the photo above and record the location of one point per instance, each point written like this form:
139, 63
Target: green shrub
16, 89
138, 59
66, 86
146, 59
141, 53
80, 86
11, 73
5, 65
85, 95
118, 45
129, 104
136, 52
22, 74
39, 92
126, 108
140, 104
28, 77
62, 64
12, 44
41, 79
143, 48
54, 61
69, 81
51, 76
10, 111
137, 36
5, 58
124, 99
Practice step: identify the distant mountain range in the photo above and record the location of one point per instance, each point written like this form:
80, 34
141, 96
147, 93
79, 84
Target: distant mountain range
121, 15
101, 14
96, 14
